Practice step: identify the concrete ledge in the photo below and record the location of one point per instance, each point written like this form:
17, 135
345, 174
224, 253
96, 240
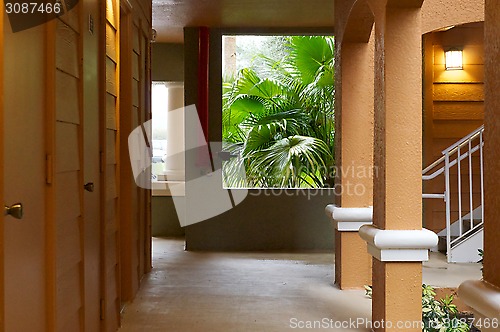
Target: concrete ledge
481, 296
349, 219
398, 245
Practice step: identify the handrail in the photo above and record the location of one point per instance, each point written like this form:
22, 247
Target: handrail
470, 231
462, 142
458, 154
433, 165
448, 150
452, 163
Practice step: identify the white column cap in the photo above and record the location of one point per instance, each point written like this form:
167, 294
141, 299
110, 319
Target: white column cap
398, 245
349, 219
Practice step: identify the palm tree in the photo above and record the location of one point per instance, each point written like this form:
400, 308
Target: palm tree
280, 128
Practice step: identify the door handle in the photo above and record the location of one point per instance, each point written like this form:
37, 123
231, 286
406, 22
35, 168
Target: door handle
89, 187
15, 211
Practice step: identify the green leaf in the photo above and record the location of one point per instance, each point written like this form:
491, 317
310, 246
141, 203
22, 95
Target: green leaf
289, 159
313, 58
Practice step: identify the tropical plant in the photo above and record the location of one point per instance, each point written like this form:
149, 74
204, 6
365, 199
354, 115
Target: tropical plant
280, 128
440, 316
437, 316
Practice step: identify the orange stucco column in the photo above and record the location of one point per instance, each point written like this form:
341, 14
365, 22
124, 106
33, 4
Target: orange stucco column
354, 156
492, 138
397, 278
484, 296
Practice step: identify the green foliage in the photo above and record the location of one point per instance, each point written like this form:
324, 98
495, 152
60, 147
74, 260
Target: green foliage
255, 51
440, 316
437, 316
281, 126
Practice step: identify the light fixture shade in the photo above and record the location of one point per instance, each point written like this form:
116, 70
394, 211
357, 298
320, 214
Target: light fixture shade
454, 59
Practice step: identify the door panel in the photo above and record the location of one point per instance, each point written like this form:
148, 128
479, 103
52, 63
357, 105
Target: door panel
23, 181
110, 228
2, 297
134, 102
91, 200
65, 192
144, 116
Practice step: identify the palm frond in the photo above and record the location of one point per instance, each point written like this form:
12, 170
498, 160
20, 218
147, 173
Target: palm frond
291, 158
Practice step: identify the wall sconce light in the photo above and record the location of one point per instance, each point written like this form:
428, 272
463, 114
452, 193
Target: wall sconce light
453, 59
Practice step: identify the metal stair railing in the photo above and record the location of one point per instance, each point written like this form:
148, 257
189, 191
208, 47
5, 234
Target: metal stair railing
459, 154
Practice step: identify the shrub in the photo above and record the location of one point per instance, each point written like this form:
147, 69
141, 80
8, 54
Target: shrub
437, 316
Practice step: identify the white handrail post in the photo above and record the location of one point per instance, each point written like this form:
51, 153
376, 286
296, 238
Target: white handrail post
465, 144
482, 174
471, 202
459, 166
447, 202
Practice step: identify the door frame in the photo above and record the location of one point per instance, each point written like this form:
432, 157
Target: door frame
127, 218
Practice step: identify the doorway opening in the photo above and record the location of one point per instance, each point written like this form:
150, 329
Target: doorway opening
168, 157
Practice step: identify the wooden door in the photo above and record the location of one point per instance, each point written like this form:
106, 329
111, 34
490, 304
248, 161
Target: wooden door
2, 324
91, 172
65, 183
110, 143
141, 58
134, 112
22, 136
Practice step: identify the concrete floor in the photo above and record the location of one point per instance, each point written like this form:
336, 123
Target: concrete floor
438, 273
192, 291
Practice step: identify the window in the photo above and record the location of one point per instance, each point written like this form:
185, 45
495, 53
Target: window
278, 107
159, 100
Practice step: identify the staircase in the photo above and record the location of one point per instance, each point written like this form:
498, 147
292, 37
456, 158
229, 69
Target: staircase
462, 168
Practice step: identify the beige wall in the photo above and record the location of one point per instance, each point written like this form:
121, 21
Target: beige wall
167, 62
164, 220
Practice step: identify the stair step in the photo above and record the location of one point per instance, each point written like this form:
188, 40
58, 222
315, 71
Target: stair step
468, 235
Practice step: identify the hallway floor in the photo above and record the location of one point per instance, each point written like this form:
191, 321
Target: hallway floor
218, 292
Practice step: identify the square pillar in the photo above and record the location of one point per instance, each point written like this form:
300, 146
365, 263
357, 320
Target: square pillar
352, 262
492, 143
354, 162
397, 240
483, 296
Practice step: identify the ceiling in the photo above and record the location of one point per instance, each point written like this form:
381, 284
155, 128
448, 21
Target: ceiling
171, 16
